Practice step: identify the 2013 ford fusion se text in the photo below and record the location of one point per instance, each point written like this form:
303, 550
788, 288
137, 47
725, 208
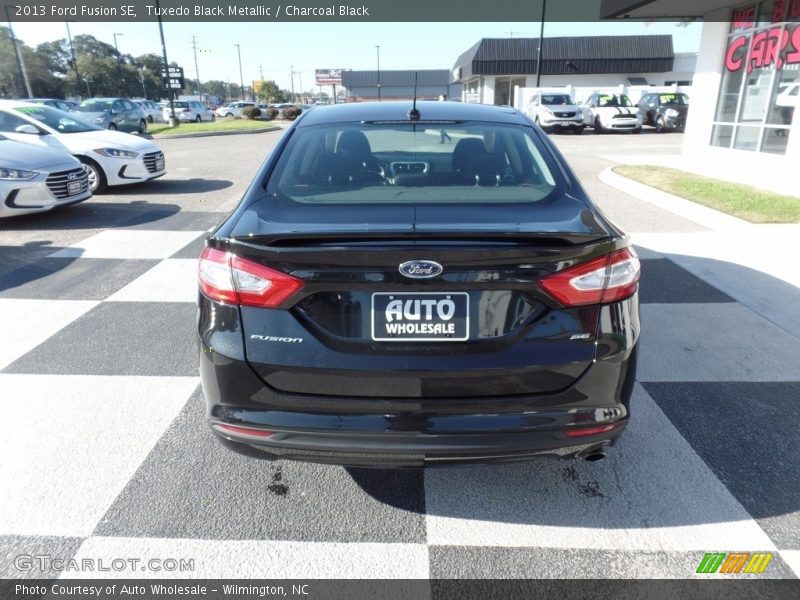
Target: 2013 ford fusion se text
411, 284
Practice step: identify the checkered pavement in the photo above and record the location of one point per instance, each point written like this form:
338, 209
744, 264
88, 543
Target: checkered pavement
105, 452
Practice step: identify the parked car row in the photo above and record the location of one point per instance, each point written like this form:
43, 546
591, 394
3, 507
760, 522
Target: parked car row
554, 111
49, 157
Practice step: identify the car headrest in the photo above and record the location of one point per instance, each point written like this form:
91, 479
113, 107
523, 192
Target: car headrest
353, 143
467, 153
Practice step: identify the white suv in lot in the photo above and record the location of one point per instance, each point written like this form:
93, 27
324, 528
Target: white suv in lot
555, 110
234, 109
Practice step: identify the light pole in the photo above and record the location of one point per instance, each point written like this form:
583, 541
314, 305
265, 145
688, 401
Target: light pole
291, 68
378, 48
541, 43
75, 65
144, 89
119, 63
20, 61
241, 77
173, 122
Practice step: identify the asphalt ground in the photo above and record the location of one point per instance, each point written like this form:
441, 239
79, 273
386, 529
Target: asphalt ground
105, 452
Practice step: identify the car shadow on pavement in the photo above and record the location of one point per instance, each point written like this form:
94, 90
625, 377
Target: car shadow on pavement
166, 187
92, 214
18, 264
713, 413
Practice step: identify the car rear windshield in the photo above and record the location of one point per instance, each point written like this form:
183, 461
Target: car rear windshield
93, 106
180, 105
414, 163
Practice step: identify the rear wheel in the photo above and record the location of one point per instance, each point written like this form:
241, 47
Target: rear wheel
142, 127
150, 118
97, 178
198, 118
112, 126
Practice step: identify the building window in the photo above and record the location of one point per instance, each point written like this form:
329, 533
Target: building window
760, 87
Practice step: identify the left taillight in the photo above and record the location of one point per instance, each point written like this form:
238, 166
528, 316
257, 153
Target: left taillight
604, 279
228, 278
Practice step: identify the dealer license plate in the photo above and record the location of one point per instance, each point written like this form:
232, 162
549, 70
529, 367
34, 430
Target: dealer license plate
420, 317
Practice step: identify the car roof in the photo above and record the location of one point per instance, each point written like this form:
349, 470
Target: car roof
398, 111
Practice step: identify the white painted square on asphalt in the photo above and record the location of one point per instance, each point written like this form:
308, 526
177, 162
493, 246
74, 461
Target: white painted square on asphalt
792, 558
171, 280
69, 445
129, 243
714, 342
27, 323
653, 492
258, 559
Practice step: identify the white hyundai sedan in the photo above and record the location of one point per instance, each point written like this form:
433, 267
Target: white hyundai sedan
38, 179
109, 157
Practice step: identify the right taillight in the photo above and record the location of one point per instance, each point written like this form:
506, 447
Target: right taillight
603, 279
228, 278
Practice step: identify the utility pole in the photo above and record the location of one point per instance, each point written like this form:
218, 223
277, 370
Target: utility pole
300, 81
75, 64
291, 67
173, 122
378, 48
261, 71
119, 64
196, 70
241, 77
541, 43
20, 61
144, 89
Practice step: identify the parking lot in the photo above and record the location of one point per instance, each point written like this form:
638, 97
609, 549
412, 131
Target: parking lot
106, 452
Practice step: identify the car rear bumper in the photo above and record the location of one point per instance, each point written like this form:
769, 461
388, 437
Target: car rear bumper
425, 431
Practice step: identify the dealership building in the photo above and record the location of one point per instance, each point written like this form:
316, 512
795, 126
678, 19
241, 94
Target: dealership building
492, 68
363, 86
743, 122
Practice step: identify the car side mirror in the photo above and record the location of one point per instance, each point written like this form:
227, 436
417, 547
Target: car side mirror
27, 128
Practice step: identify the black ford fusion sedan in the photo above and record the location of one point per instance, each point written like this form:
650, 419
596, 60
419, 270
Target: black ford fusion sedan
414, 285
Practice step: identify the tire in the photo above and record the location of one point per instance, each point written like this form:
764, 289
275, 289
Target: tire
198, 118
229, 114
112, 126
142, 127
661, 125
150, 118
213, 117
637, 130
97, 178
598, 128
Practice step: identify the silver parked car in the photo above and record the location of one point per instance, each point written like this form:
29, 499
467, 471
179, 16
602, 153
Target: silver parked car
234, 109
152, 110
35, 179
190, 110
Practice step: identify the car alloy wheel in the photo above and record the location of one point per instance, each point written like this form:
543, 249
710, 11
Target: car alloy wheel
112, 126
661, 125
142, 127
97, 179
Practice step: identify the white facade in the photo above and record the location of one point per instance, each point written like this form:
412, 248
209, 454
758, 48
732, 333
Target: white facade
763, 169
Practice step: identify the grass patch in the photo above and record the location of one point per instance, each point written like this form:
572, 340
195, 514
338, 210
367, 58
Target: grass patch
209, 126
743, 201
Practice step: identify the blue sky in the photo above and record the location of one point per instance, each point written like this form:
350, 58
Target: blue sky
308, 46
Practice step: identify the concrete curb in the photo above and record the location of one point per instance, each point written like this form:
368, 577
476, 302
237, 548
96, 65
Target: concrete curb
178, 136
702, 215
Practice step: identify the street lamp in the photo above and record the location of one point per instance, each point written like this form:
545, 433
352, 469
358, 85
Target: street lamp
119, 63
241, 77
115, 44
144, 89
378, 48
291, 68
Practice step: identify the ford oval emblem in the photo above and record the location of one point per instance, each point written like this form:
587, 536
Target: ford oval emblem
421, 269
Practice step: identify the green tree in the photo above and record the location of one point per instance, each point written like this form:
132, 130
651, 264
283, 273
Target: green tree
268, 91
10, 82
